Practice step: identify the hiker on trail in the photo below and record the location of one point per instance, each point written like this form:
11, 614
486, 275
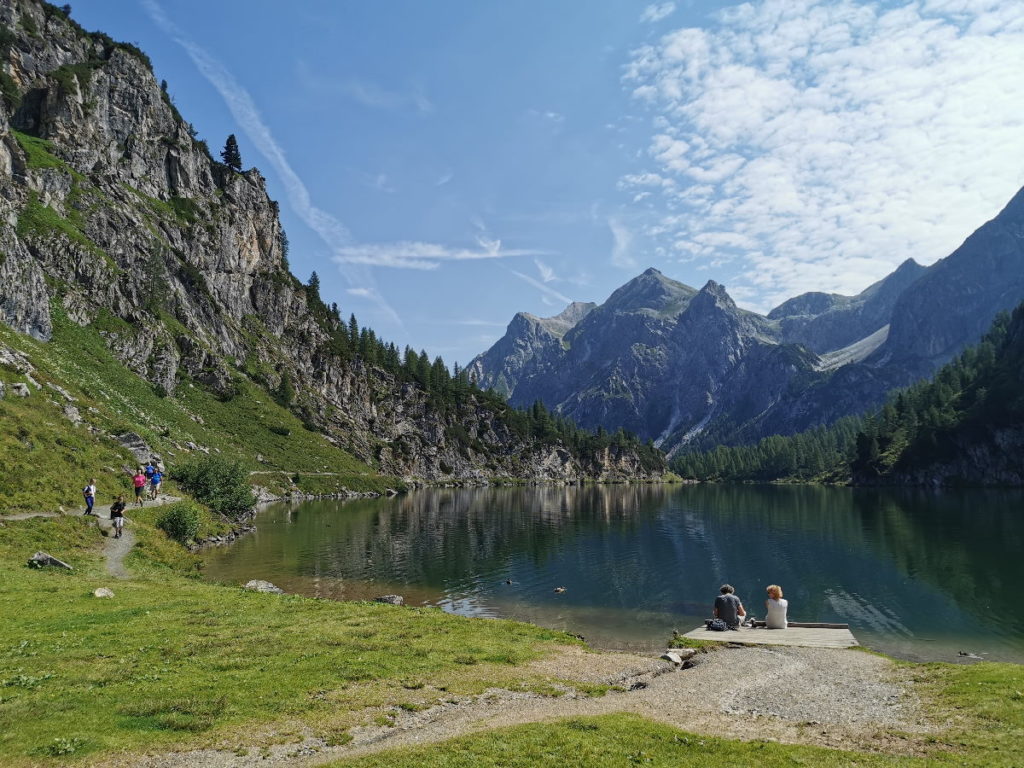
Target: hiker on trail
777, 607
154, 483
149, 471
729, 608
89, 493
139, 481
117, 516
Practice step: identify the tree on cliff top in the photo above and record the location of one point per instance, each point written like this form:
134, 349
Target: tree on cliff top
231, 156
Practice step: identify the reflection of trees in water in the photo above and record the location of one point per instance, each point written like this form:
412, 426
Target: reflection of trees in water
435, 536
668, 548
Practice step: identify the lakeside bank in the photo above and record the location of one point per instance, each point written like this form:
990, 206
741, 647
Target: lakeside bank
171, 664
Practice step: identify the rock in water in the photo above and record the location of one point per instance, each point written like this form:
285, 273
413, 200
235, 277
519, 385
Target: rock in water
258, 585
42, 559
103, 592
392, 599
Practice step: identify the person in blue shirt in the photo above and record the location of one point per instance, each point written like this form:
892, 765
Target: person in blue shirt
154, 483
149, 471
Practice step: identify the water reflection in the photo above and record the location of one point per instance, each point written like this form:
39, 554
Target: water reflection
916, 573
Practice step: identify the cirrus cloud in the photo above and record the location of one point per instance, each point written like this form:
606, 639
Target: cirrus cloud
820, 143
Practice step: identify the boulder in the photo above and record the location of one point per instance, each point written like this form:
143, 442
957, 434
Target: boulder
20, 389
139, 448
390, 599
43, 559
3, 390
103, 592
678, 655
71, 414
259, 585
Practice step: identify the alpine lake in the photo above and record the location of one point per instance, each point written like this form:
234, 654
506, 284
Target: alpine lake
918, 574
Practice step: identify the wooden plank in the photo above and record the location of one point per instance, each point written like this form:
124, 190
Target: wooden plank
811, 637
809, 624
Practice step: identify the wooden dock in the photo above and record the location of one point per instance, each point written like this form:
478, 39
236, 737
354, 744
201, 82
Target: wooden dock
807, 635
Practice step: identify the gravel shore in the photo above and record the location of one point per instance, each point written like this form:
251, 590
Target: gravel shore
827, 697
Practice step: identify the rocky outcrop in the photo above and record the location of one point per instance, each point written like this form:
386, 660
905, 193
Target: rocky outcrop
118, 218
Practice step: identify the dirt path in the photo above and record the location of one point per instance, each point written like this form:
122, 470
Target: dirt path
826, 697
114, 550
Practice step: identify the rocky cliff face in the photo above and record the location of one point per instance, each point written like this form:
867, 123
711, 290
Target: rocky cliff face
824, 322
528, 338
690, 369
115, 215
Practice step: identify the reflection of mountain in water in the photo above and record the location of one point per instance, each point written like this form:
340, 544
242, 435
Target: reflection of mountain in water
896, 565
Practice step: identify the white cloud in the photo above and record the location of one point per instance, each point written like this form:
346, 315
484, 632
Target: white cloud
370, 94
547, 292
444, 178
656, 12
622, 243
547, 274
416, 255
822, 142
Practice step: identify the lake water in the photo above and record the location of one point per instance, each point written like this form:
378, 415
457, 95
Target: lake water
918, 574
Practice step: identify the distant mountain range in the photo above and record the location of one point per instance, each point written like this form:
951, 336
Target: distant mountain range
688, 368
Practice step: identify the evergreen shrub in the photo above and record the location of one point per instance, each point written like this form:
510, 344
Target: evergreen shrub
221, 484
180, 521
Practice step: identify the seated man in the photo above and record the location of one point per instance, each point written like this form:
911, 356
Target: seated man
729, 608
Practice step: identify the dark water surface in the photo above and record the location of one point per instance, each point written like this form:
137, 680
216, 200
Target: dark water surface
919, 574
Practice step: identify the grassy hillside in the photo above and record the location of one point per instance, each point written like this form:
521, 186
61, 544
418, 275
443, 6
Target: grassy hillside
47, 459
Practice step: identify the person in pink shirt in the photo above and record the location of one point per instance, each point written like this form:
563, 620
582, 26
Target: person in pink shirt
139, 481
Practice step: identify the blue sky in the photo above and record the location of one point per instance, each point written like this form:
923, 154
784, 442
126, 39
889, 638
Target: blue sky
445, 165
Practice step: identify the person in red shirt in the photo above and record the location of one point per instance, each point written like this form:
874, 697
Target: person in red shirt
139, 481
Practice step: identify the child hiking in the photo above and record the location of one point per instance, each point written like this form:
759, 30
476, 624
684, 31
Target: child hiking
89, 494
117, 516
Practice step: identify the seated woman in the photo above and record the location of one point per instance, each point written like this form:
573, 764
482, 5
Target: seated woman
776, 606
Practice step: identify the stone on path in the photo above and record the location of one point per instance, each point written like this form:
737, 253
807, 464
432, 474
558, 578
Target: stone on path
41, 559
391, 599
678, 655
103, 592
259, 585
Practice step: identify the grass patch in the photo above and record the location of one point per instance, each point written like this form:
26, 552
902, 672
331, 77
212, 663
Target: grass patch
176, 662
610, 741
43, 222
39, 154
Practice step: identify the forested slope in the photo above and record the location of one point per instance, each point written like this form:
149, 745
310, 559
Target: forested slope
963, 426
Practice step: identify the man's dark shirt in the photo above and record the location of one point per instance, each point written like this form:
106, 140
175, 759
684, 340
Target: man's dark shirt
727, 607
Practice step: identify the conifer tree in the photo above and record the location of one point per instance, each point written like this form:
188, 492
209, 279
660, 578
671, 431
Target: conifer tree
231, 156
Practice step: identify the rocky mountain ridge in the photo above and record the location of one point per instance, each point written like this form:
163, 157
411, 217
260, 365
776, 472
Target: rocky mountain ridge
116, 216
689, 368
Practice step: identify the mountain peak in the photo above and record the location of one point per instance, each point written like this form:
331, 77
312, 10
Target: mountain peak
651, 291
561, 323
713, 294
